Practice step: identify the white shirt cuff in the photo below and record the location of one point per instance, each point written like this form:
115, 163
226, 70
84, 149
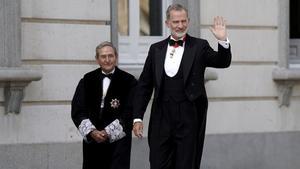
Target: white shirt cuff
85, 128
137, 120
225, 44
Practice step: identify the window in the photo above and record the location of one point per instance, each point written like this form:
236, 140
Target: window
149, 14
123, 17
140, 24
150, 18
294, 19
294, 57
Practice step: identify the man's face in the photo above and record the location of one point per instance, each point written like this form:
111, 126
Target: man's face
107, 59
178, 23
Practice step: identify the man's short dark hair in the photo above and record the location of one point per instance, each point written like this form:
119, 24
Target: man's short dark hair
176, 7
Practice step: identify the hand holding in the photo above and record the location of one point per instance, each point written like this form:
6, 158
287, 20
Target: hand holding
219, 28
99, 136
138, 129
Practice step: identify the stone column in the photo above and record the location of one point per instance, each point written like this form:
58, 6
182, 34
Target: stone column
114, 33
10, 33
13, 77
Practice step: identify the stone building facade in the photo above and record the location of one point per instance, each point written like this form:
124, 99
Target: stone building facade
47, 46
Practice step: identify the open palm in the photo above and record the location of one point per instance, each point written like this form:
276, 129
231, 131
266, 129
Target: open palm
219, 28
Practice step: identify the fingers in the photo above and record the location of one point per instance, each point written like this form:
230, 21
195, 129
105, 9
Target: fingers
216, 21
219, 21
103, 134
223, 22
138, 129
219, 28
212, 29
99, 136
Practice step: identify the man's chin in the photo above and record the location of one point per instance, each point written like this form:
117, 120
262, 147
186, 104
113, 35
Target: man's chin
107, 69
179, 35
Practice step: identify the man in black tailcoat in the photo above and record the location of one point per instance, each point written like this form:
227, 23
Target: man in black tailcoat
175, 68
102, 111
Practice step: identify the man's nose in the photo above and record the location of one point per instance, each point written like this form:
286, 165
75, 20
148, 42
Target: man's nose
106, 59
180, 25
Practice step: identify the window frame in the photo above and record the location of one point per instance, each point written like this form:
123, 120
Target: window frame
294, 42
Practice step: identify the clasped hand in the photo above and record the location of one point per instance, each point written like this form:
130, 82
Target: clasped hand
99, 136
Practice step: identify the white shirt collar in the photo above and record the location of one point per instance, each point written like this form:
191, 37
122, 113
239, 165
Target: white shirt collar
109, 72
171, 37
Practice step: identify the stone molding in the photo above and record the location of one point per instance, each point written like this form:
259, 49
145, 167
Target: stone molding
14, 80
285, 79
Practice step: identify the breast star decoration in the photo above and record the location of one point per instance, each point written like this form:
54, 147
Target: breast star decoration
115, 103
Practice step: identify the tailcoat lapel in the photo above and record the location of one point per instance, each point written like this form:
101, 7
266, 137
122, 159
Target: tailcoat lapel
98, 84
188, 57
159, 61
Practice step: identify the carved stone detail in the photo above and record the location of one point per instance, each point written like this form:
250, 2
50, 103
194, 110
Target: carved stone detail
286, 79
14, 80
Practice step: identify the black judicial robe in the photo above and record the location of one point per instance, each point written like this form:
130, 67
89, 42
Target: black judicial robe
86, 105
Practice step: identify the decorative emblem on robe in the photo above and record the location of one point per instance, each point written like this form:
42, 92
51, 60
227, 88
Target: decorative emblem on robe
115, 103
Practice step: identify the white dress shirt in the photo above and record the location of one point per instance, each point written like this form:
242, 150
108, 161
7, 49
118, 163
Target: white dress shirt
173, 59
105, 85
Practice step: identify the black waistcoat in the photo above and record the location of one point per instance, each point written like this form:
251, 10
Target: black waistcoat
173, 87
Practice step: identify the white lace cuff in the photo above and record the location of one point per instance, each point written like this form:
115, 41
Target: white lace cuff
85, 128
114, 131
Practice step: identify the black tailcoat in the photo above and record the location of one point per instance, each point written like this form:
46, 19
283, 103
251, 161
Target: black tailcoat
86, 105
196, 57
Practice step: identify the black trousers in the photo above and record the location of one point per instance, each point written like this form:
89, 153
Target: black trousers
176, 139
107, 155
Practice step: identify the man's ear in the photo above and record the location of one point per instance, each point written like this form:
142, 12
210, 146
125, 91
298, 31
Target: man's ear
117, 61
167, 23
188, 21
97, 61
